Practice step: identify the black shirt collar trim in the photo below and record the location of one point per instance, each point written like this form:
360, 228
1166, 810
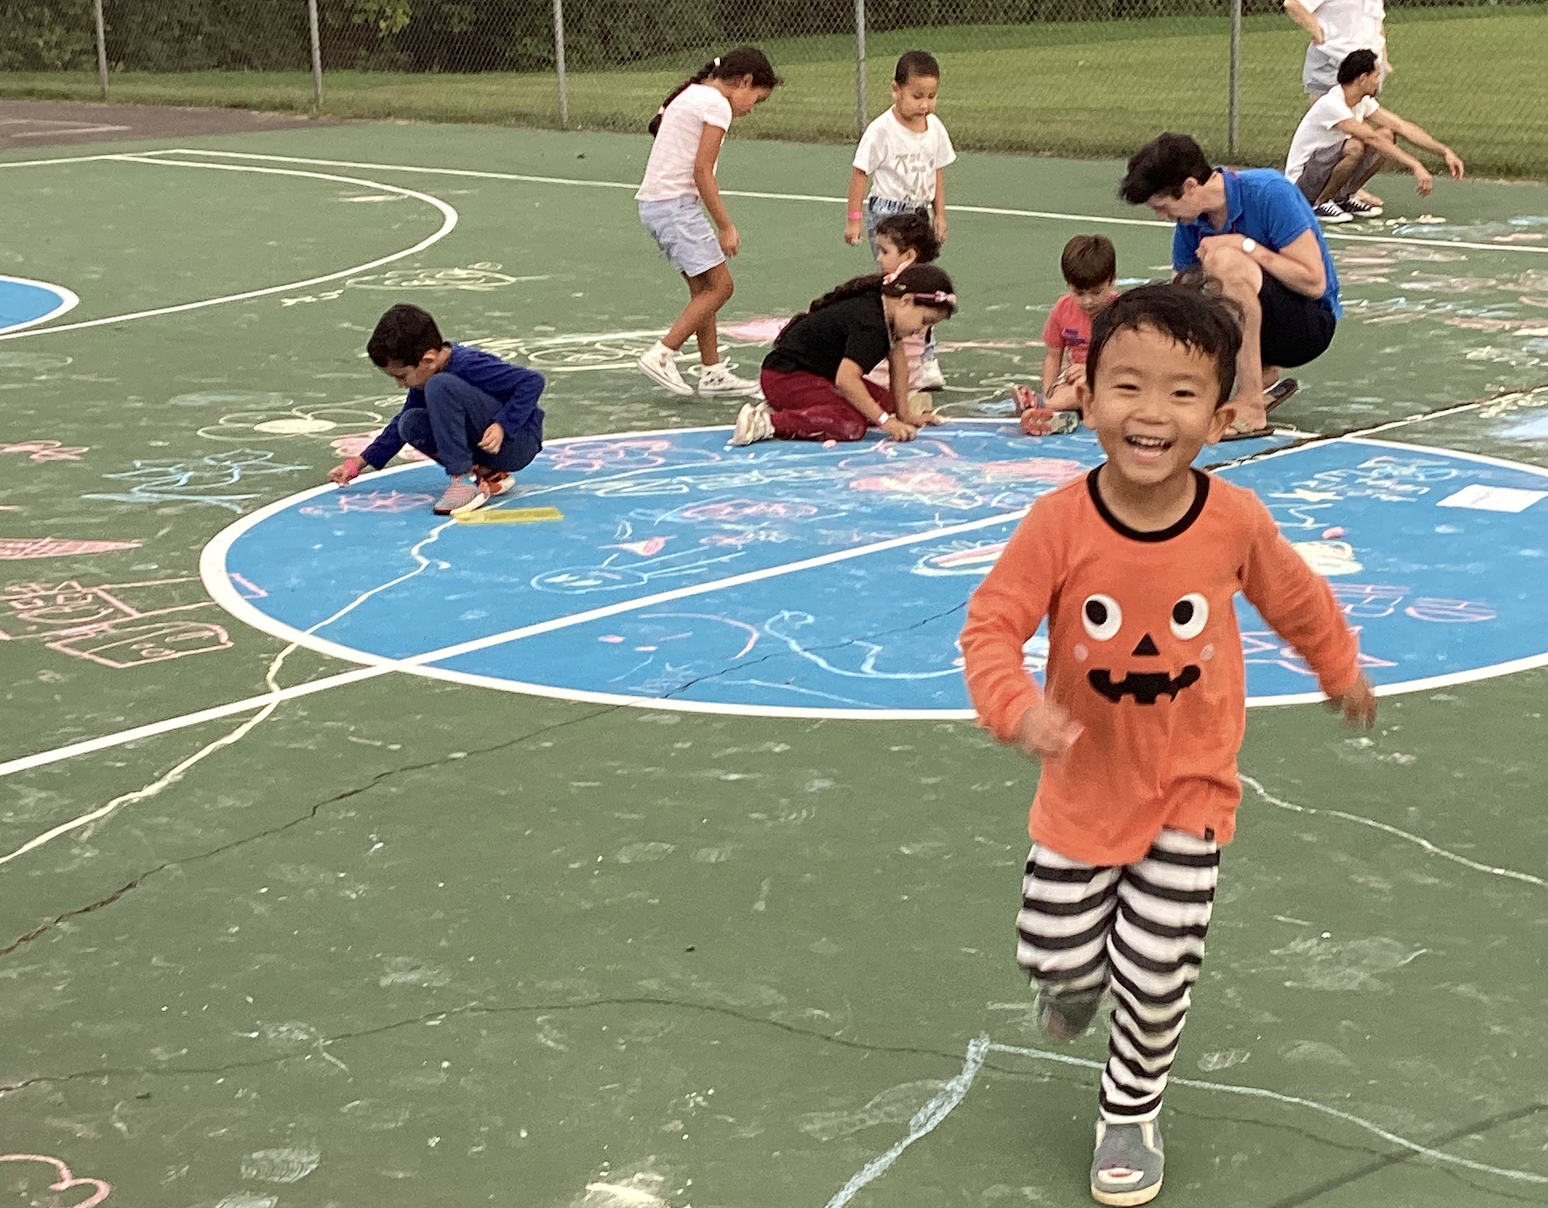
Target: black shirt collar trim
1200, 495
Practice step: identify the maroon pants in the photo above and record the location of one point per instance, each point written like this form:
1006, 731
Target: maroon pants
809, 407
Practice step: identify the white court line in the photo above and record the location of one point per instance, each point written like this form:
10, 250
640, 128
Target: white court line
1418, 841
922, 1124
271, 703
1258, 1092
448, 224
959, 209
68, 301
226, 596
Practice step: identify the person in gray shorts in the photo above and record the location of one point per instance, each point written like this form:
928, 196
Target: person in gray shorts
1336, 28
1344, 138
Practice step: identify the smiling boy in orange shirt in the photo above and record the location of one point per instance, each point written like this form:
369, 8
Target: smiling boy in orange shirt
1135, 566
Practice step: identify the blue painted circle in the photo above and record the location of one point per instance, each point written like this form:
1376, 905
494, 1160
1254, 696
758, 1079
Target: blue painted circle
790, 578
23, 302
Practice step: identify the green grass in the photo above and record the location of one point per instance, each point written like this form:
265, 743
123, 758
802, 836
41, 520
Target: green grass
1472, 76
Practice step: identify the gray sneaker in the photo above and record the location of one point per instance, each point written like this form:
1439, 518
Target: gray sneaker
1128, 1163
460, 492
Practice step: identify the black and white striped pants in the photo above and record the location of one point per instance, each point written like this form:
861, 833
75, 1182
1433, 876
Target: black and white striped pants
1135, 929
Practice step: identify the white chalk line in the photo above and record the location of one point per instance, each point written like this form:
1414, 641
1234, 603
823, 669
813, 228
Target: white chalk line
448, 224
1417, 840
1258, 1092
923, 1123
420, 662
928, 1117
1003, 211
268, 704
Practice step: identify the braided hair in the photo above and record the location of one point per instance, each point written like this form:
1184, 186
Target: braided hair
733, 65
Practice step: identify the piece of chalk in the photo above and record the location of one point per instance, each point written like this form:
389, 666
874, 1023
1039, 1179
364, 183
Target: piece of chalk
829, 444
509, 516
1332, 533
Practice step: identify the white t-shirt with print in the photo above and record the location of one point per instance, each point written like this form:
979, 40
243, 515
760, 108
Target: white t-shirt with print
1319, 131
900, 163
1350, 25
669, 171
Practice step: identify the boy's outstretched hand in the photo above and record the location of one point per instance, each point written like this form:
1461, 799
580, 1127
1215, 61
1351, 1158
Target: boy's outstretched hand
1046, 731
1358, 705
346, 471
492, 439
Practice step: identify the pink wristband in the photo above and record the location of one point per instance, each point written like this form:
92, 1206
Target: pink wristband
854, 214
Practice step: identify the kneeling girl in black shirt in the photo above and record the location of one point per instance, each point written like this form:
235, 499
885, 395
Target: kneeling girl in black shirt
813, 380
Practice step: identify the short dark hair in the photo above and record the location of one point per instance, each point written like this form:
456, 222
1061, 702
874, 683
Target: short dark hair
915, 63
1203, 322
404, 334
1356, 64
1089, 261
1164, 165
912, 233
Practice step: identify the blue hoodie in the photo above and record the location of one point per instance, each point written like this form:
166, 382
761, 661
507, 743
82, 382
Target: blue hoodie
515, 387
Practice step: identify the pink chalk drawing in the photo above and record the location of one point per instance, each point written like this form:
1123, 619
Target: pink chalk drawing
1033, 469
754, 331
748, 509
100, 623
1449, 612
593, 455
45, 450
920, 482
246, 588
66, 1180
354, 446
645, 548
15, 549
369, 501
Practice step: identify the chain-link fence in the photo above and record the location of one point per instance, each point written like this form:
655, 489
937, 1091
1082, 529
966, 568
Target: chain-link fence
1084, 77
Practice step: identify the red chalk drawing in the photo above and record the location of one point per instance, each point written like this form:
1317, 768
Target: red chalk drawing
369, 501
45, 450
14, 549
66, 1181
102, 624
645, 548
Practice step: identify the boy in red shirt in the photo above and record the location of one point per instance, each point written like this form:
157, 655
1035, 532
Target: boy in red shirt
1135, 566
1089, 265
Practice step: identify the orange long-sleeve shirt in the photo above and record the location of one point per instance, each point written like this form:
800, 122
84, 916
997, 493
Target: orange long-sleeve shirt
1143, 651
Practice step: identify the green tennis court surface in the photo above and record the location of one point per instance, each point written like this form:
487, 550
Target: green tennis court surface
398, 941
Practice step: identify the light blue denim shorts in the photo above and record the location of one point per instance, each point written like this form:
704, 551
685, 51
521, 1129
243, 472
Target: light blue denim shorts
683, 234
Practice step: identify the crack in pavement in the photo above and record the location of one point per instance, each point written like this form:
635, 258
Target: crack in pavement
476, 1009
44, 928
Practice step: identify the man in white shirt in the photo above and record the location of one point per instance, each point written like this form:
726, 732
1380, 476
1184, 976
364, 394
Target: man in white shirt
1337, 27
1344, 137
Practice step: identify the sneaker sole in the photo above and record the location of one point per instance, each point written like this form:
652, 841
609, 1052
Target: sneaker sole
739, 392
1335, 221
666, 383
1121, 1199
472, 505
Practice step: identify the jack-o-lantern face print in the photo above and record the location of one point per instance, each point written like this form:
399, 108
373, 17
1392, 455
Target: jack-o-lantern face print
1152, 673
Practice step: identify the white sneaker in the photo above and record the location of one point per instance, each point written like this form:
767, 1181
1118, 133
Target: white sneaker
930, 376
1331, 213
718, 380
659, 364
754, 422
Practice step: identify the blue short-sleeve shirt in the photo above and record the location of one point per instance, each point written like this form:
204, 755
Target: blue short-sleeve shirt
1261, 204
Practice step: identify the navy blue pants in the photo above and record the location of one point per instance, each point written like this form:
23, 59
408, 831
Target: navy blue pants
453, 422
